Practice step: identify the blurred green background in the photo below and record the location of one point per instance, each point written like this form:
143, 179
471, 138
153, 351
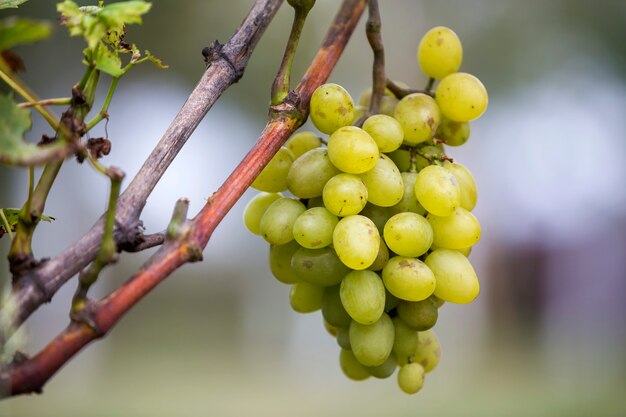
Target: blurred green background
547, 336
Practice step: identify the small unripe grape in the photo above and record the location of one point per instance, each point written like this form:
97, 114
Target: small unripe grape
331, 108
302, 142
419, 117
351, 367
276, 225
411, 378
408, 278
384, 183
461, 97
332, 308
318, 266
356, 241
273, 178
456, 279
454, 133
343, 337
437, 190
309, 173
385, 370
409, 201
418, 315
352, 150
385, 130
255, 210
381, 258
402, 159
405, 341
314, 228
345, 195
379, 215
440, 52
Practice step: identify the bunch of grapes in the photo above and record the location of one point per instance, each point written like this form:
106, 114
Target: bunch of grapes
378, 227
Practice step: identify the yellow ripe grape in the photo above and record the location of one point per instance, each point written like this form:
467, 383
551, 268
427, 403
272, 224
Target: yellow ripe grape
345, 195
356, 241
352, 150
428, 351
461, 97
362, 295
456, 279
309, 173
437, 190
276, 225
466, 182
419, 117
460, 230
411, 378
408, 278
255, 210
408, 234
273, 178
331, 108
384, 183
313, 229
302, 142
440, 52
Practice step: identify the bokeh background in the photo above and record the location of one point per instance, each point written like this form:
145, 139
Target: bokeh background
546, 337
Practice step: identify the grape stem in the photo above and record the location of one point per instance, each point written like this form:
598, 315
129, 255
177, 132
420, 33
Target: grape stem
400, 92
374, 37
29, 375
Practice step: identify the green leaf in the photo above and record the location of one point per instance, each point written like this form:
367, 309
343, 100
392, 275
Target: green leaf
105, 60
12, 4
17, 31
12, 215
14, 123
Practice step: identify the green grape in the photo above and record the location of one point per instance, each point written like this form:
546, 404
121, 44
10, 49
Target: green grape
457, 231
461, 97
419, 117
379, 215
372, 343
273, 178
408, 278
302, 142
456, 279
418, 315
318, 266
384, 183
466, 182
331, 108
343, 338
437, 190
438, 301
314, 228
405, 340
305, 297
402, 159
332, 330
440, 52
409, 201
309, 173
385, 370
381, 258
280, 262
391, 301
454, 133
356, 241
352, 150
351, 366
427, 155
332, 308
411, 378
345, 195
385, 130
363, 296
276, 225
315, 202
255, 210
408, 234
428, 352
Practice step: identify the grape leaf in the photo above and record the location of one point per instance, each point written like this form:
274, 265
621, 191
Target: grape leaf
12, 216
14, 123
6, 4
17, 31
105, 60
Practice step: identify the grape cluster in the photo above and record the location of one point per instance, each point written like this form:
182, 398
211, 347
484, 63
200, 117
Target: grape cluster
379, 226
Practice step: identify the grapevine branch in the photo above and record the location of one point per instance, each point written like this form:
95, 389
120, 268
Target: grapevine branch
38, 285
189, 238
